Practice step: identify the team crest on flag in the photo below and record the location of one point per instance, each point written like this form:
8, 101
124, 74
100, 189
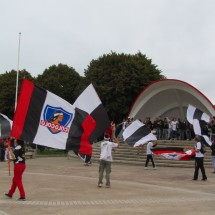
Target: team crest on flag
56, 119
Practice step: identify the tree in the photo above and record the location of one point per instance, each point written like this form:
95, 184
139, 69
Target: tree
119, 78
61, 80
8, 90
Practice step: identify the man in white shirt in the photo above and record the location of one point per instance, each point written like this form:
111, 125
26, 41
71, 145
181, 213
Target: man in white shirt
106, 159
149, 154
199, 160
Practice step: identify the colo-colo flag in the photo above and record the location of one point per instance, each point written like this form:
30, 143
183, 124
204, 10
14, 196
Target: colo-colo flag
45, 119
42, 117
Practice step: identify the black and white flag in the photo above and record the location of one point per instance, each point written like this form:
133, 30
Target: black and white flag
199, 127
137, 134
199, 120
195, 113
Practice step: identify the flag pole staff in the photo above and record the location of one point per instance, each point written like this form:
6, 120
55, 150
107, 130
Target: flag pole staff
17, 74
8, 147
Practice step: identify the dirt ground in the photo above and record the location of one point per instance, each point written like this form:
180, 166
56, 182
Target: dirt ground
58, 185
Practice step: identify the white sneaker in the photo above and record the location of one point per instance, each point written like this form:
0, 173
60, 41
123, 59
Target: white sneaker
146, 167
99, 185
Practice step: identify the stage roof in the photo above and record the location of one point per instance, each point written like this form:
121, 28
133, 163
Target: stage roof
169, 98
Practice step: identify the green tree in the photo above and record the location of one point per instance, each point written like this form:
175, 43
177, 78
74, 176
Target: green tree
119, 78
61, 80
8, 90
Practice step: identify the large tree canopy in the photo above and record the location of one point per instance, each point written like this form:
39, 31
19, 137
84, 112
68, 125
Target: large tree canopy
61, 80
119, 78
8, 90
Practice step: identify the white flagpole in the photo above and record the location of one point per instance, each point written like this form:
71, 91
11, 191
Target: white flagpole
17, 76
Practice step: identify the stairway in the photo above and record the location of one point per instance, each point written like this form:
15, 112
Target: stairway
126, 154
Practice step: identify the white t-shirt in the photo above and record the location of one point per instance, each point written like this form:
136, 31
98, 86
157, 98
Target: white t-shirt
148, 148
199, 154
106, 150
174, 125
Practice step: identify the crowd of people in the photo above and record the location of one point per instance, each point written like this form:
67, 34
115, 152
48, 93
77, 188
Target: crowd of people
172, 129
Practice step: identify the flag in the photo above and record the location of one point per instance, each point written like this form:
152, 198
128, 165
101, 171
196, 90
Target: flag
90, 102
91, 120
174, 153
137, 134
195, 113
79, 134
42, 117
5, 126
199, 120
200, 129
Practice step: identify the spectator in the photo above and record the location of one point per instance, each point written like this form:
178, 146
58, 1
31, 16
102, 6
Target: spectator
120, 129
174, 125
6, 153
213, 155
188, 130
165, 128
2, 150
158, 124
147, 121
212, 127
111, 130
181, 129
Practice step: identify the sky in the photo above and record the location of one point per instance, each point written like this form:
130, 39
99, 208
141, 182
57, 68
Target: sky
177, 35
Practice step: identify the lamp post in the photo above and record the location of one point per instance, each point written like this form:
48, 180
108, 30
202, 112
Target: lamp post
17, 74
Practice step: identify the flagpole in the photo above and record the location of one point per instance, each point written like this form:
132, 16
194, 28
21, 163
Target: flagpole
8, 142
17, 74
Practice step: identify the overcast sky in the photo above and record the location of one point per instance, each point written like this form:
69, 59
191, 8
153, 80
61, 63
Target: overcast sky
178, 35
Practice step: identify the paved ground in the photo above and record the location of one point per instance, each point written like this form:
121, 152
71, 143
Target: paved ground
62, 186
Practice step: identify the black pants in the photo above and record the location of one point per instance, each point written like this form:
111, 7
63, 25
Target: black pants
88, 159
2, 154
150, 157
199, 164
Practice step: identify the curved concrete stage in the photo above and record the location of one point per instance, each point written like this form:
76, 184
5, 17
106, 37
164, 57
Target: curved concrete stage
169, 98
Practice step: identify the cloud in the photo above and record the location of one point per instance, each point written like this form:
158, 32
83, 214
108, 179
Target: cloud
177, 35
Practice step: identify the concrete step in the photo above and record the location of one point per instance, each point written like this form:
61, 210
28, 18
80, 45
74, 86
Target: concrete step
126, 154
